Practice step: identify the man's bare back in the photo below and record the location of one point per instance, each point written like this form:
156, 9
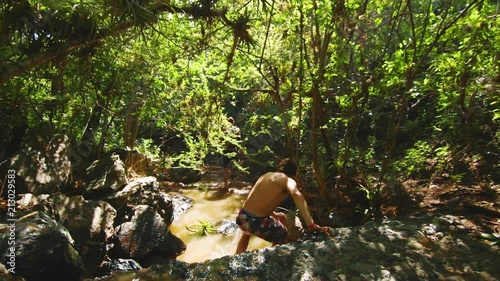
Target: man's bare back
267, 193
257, 215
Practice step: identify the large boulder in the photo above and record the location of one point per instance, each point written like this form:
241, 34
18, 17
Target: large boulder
43, 164
86, 220
184, 175
90, 223
136, 192
42, 248
141, 191
146, 235
424, 248
105, 176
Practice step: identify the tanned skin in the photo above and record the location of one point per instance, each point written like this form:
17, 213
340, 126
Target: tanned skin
267, 194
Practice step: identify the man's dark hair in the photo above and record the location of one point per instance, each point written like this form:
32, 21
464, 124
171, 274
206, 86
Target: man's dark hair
288, 167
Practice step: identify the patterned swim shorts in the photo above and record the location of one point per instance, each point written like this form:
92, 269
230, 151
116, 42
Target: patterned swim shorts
267, 228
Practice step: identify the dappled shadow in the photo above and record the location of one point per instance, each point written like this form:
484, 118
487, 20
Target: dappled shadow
380, 252
41, 166
478, 204
427, 248
424, 247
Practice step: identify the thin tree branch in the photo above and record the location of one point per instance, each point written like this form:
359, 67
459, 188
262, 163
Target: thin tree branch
13, 69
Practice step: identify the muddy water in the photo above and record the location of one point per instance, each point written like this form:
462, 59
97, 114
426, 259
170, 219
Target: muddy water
211, 206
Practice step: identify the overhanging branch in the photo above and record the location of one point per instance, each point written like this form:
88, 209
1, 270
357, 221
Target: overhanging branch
13, 69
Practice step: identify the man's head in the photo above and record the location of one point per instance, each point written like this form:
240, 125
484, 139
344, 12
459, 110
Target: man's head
288, 167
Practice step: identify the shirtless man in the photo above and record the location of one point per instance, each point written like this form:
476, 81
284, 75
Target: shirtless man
258, 217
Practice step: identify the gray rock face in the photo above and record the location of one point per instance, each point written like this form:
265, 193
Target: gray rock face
184, 175
105, 176
43, 249
119, 265
90, 224
142, 191
86, 220
427, 248
180, 205
43, 164
146, 233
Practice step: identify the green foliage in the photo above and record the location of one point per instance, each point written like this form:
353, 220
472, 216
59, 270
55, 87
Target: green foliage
392, 88
204, 227
415, 160
203, 187
491, 238
147, 148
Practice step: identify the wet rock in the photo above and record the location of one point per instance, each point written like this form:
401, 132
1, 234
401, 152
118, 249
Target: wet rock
105, 176
180, 204
90, 224
42, 165
168, 249
109, 267
227, 227
147, 233
184, 175
142, 191
43, 248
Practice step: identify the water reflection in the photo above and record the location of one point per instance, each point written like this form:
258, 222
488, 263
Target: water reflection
212, 206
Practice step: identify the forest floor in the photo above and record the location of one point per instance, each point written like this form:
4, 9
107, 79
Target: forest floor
479, 205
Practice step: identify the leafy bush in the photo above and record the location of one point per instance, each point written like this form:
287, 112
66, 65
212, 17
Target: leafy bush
147, 148
415, 160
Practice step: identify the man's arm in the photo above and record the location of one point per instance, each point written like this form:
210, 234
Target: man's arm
301, 204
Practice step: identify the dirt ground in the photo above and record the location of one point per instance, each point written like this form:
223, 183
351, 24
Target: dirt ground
479, 205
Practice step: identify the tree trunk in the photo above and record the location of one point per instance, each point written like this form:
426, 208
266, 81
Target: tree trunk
131, 128
314, 149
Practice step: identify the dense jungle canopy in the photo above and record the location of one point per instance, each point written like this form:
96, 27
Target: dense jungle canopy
361, 93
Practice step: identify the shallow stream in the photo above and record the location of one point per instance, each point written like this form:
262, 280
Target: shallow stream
214, 207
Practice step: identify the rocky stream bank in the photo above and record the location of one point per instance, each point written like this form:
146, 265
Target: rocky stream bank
111, 227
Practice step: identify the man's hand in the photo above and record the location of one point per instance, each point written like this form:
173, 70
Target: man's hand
315, 227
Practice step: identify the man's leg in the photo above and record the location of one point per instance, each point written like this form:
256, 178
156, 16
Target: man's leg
243, 243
